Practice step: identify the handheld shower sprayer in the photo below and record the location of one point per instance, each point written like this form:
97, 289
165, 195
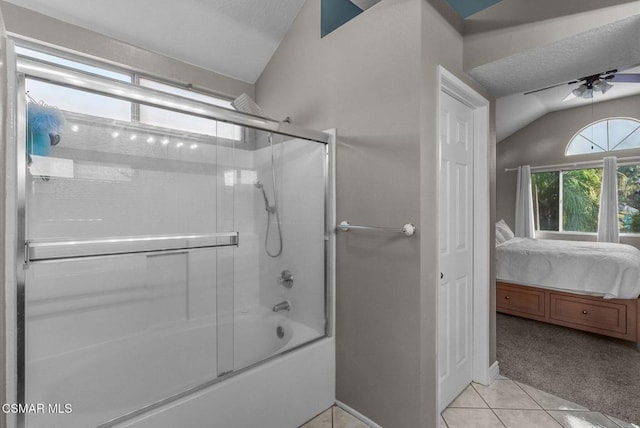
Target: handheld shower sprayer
272, 210
268, 208
245, 104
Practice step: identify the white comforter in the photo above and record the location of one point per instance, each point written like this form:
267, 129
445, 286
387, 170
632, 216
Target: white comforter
595, 268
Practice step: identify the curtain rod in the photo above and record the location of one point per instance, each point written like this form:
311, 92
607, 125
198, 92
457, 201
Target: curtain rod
575, 165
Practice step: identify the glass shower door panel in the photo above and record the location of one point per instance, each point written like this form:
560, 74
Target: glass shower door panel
273, 315
109, 335
225, 196
105, 179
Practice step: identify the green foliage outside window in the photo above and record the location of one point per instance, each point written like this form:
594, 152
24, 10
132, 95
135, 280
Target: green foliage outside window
581, 199
629, 198
545, 199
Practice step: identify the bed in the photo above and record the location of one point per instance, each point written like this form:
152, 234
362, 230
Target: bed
588, 286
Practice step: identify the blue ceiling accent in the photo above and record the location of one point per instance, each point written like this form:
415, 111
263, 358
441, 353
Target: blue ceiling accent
334, 13
466, 8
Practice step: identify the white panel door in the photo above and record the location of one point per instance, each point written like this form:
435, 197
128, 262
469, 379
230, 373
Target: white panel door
455, 293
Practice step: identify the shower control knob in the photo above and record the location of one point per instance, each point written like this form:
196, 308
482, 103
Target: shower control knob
286, 278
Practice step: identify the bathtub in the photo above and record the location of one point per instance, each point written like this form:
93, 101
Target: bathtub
106, 381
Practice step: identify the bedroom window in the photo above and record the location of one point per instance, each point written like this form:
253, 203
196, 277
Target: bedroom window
568, 201
546, 195
607, 135
629, 198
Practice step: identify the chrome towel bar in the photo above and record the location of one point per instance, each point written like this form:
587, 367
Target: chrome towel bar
408, 229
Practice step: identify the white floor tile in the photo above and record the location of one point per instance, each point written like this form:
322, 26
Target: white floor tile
471, 418
342, 419
623, 424
548, 401
469, 398
323, 420
505, 394
443, 424
582, 419
526, 418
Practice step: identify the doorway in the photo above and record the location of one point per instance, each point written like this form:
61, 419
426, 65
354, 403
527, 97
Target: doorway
464, 224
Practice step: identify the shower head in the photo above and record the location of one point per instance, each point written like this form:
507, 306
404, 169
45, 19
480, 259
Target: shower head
258, 184
245, 104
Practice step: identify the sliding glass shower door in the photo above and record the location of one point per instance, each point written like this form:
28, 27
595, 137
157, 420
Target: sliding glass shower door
131, 236
163, 251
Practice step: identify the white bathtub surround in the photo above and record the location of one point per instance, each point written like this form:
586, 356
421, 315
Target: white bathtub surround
281, 393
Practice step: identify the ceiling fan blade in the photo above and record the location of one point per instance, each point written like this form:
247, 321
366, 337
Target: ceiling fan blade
549, 87
626, 78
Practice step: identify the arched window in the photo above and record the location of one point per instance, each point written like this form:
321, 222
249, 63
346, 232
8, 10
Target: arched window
606, 135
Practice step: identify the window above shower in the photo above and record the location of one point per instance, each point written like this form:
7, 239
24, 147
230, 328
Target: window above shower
70, 100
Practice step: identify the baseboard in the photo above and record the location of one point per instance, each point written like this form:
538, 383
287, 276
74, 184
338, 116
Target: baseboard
357, 415
494, 372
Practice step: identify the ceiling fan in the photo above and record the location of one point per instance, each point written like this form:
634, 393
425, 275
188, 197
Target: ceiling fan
594, 83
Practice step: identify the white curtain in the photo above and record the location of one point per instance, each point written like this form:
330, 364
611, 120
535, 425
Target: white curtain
524, 204
608, 229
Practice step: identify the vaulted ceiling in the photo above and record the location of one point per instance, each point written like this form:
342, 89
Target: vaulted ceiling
237, 38
232, 37
608, 44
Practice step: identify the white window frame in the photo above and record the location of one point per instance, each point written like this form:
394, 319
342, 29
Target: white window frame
608, 119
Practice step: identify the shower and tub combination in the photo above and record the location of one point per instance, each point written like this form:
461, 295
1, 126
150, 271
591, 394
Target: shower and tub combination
171, 267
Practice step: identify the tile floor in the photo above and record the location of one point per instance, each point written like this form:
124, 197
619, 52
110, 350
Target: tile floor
334, 417
509, 404
503, 404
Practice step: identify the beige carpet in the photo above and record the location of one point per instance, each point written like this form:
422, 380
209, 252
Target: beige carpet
600, 373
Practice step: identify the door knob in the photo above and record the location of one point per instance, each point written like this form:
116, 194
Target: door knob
441, 275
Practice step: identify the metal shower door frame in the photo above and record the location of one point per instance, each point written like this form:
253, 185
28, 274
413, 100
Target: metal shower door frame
16, 70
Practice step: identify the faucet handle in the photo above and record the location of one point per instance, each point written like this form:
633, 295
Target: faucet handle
286, 278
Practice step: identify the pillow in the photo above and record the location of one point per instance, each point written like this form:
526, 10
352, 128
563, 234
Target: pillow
499, 236
504, 229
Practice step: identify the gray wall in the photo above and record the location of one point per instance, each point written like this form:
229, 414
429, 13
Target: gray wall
441, 45
544, 141
363, 79
375, 80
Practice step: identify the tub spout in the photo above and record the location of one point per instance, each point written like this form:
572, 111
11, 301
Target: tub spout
282, 306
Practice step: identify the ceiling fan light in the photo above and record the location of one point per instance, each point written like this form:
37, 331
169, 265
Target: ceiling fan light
602, 86
580, 91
